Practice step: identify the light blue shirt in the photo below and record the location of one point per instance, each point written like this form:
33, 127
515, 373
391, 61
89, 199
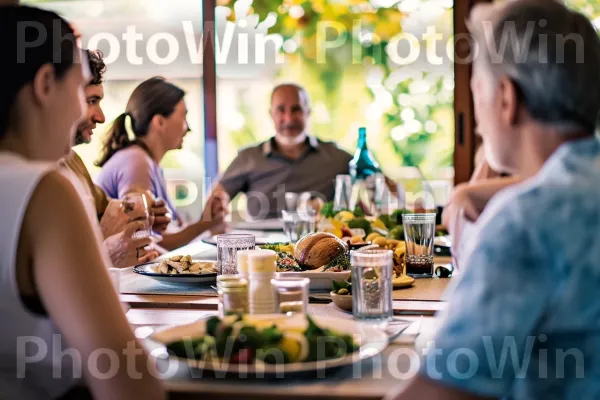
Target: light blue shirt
523, 321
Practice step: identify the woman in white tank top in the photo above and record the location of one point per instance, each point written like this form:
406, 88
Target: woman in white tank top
62, 322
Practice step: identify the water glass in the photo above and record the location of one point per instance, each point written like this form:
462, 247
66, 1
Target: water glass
227, 247
381, 195
419, 235
139, 202
291, 295
291, 201
372, 284
297, 225
343, 192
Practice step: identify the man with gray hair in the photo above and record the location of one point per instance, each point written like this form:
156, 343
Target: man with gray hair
290, 161
522, 321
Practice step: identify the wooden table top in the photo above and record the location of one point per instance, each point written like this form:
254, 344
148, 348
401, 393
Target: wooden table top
367, 380
401, 307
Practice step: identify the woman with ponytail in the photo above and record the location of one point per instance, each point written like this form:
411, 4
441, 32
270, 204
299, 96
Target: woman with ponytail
154, 122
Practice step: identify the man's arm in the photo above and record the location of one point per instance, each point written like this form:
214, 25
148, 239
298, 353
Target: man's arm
495, 306
234, 181
471, 198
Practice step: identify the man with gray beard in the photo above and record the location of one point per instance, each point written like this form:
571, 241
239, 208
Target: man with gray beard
522, 321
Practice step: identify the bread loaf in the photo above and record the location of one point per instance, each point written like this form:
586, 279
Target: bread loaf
317, 249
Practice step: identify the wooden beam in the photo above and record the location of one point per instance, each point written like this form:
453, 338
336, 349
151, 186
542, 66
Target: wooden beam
209, 89
465, 140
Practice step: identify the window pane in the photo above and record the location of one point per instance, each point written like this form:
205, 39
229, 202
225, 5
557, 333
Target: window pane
363, 63
155, 44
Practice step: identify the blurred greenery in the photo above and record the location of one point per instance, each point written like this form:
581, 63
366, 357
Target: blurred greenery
408, 110
415, 128
358, 85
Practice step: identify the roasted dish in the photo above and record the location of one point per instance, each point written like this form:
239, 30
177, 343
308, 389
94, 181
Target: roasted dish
184, 265
320, 249
315, 252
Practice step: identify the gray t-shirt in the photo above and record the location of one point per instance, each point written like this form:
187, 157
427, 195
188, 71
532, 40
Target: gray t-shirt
264, 175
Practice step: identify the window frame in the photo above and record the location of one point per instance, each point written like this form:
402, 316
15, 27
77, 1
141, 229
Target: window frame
465, 140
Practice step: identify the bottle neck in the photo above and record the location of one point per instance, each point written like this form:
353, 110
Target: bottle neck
362, 141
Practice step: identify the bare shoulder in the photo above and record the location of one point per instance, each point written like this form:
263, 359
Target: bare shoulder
55, 197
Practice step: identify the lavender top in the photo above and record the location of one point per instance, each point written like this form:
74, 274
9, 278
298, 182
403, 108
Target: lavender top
133, 168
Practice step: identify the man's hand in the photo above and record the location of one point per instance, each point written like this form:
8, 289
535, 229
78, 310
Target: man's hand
162, 216
114, 219
216, 208
125, 251
463, 201
470, 199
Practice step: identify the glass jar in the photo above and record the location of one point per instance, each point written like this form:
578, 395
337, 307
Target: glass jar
233, 295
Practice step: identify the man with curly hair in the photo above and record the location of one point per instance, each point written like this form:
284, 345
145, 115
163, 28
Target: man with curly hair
117, 227
94, 93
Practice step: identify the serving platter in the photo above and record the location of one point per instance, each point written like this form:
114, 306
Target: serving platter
370, 339
148, 270
318, 280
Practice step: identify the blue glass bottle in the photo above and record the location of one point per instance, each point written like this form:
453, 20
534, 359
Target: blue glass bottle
363, 164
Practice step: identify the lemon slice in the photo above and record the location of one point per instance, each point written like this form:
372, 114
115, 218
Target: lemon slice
296, 345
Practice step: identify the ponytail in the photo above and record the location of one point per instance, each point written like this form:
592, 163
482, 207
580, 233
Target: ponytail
117, 139
154, 96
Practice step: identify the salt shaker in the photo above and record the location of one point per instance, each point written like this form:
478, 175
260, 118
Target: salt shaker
233, 295
261, 269
242, 262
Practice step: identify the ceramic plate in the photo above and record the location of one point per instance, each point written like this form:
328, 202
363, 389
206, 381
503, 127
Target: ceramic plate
318, 280
148, 270
371, 340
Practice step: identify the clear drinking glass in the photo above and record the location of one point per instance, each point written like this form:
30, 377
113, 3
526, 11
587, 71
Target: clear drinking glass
139, 201
291, 295
227, 248
372, 284
419, 235
381, 196
296, 225
343, 192
291, 201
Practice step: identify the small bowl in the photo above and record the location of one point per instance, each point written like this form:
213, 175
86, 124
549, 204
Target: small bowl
343, 301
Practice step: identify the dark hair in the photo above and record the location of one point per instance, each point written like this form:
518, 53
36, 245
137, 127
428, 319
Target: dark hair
97, 66
153, 97
31, 38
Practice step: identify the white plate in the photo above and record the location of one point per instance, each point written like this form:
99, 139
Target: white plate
442, 241
371, 340
147, 270
273, 224
318, 280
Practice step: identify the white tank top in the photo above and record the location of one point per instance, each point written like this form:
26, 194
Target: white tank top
23, 335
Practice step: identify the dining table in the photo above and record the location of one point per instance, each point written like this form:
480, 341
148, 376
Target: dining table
152, 305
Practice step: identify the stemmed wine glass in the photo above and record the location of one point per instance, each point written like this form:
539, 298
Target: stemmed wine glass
140, 202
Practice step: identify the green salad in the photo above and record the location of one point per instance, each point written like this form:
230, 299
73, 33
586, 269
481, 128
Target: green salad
237, 341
